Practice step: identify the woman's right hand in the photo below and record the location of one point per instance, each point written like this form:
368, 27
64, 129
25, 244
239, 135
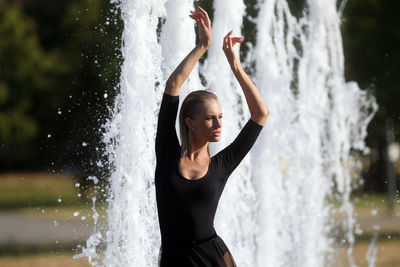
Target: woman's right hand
203, 26
227, 46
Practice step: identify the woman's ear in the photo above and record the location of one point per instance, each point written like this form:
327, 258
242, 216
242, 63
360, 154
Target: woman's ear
188, 122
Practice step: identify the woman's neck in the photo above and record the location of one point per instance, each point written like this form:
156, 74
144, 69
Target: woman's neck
197, 151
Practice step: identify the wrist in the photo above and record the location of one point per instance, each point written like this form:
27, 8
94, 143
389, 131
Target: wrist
203, 48
235, 64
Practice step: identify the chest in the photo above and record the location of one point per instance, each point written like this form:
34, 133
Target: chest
203, 188
193, 171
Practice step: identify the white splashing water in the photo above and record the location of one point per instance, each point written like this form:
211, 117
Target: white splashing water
274, 211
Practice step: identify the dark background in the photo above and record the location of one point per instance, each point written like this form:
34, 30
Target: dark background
58, 59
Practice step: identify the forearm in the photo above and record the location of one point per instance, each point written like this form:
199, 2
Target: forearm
258, 110
180, 74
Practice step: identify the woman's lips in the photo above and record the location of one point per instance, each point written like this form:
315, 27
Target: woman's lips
217, 133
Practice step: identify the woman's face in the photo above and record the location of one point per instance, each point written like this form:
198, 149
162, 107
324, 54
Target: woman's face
207, 124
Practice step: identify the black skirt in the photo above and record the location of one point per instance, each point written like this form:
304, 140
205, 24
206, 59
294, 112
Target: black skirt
208, 252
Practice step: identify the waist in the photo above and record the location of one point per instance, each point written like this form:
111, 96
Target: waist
184, 243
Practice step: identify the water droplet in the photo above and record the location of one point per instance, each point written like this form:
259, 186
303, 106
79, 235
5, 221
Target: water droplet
83, 218
76, 213
374, 212
59, 200
84, 144
49, 136
77, 184
94, 179
105, 95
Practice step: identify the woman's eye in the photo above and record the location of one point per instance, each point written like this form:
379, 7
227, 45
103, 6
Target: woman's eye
210, 118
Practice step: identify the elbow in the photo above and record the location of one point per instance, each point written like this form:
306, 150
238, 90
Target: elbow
171, 88
170, 84
265, 112
261, 117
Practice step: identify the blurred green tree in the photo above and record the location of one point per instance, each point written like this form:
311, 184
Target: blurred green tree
60, 65
28, 76
371, 37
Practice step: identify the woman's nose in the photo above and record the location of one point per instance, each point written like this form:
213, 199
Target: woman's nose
218, 122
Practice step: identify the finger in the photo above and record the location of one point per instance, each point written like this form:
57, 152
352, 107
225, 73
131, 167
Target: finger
225, 42
207, 22
201, 23
204, 13
194, 18
200, 14
234, 43
228, 34
225, 45
236, 40
197, 15
229, 42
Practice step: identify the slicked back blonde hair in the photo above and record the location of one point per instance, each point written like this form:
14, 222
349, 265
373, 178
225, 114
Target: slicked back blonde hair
191, 106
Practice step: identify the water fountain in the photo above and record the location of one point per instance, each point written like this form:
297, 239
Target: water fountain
280, 215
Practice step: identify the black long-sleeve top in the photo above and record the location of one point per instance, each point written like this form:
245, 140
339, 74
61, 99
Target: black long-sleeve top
186, 208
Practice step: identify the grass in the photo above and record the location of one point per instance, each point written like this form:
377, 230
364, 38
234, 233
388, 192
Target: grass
37, 190
43, 260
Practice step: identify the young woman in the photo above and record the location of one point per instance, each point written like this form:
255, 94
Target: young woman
188, 181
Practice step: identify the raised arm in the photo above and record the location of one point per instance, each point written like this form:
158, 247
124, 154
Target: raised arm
258, 110
183, 70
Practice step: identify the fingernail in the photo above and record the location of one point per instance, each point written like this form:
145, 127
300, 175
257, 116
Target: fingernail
201, 20
229, 37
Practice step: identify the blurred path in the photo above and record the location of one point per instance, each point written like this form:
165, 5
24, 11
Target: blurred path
21, 229
25, 229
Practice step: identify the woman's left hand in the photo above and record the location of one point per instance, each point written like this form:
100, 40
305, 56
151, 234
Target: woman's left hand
204, 26
228, 44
